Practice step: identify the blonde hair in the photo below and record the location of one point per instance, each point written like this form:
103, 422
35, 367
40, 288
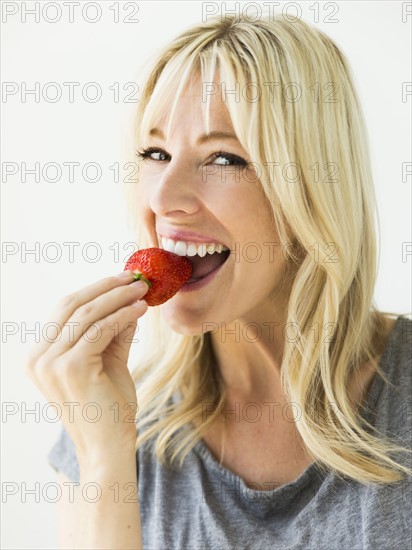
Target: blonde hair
337, 214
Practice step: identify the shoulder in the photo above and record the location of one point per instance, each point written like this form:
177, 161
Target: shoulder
397, 358
394, 396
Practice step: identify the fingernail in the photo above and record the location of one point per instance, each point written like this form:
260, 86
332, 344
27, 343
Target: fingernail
139, 284
125, 274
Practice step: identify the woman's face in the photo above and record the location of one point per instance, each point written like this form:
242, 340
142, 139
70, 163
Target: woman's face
189, 182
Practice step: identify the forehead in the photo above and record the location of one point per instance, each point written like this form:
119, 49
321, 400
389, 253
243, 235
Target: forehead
193, 102
196, 109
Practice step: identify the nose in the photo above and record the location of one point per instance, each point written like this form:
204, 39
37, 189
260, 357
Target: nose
175, 192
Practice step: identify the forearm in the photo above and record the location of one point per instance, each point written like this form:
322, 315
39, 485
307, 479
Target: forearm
112, 522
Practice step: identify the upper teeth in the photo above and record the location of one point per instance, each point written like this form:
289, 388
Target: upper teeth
183, 248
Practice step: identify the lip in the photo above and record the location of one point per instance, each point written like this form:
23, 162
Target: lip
204, 281
189, 236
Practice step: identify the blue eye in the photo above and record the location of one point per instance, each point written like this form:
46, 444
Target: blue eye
231, 160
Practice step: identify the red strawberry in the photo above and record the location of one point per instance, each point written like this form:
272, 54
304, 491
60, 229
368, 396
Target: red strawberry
164, 272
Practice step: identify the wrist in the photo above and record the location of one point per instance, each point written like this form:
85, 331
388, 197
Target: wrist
106, 462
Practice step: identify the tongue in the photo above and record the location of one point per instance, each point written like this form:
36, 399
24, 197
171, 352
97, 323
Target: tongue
204, 266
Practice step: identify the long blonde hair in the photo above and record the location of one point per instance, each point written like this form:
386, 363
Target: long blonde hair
307, 117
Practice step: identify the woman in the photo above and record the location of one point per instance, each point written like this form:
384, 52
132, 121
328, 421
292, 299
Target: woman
272, 408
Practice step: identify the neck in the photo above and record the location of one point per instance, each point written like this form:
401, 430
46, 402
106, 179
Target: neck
249, 355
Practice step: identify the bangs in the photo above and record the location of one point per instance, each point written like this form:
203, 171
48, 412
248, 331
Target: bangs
181, 73
189, 69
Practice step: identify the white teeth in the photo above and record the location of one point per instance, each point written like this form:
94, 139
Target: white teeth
182, 248
168, 244
192, 250
202, 250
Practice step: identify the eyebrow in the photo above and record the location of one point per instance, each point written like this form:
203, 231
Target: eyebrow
201, 139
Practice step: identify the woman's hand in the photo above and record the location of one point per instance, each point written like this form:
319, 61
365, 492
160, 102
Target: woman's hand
84, 369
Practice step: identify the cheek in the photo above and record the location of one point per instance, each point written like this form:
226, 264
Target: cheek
143, 212
231, 202
261, 262
258, 255
142, 190
239, 196
145, 188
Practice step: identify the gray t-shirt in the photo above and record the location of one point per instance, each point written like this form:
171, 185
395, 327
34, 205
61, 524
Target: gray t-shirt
207, 506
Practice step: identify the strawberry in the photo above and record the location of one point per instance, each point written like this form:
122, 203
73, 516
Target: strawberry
164, 272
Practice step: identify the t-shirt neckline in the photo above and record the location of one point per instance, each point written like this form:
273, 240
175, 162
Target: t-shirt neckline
313, 472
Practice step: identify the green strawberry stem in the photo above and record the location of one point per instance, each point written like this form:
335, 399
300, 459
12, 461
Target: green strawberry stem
139, 276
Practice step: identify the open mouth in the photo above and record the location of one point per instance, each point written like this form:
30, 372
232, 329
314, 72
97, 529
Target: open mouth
204, 257
206, 265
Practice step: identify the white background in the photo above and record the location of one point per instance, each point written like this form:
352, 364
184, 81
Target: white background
377, 44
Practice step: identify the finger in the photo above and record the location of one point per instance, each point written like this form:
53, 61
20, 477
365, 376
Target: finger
96, 345
120, 346
68, 305
86, 319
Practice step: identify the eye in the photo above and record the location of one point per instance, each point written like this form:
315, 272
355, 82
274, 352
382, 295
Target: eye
227, 159
153, 153
231, 160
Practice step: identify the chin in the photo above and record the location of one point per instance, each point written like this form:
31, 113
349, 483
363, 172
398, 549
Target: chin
188, 330
181, 323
